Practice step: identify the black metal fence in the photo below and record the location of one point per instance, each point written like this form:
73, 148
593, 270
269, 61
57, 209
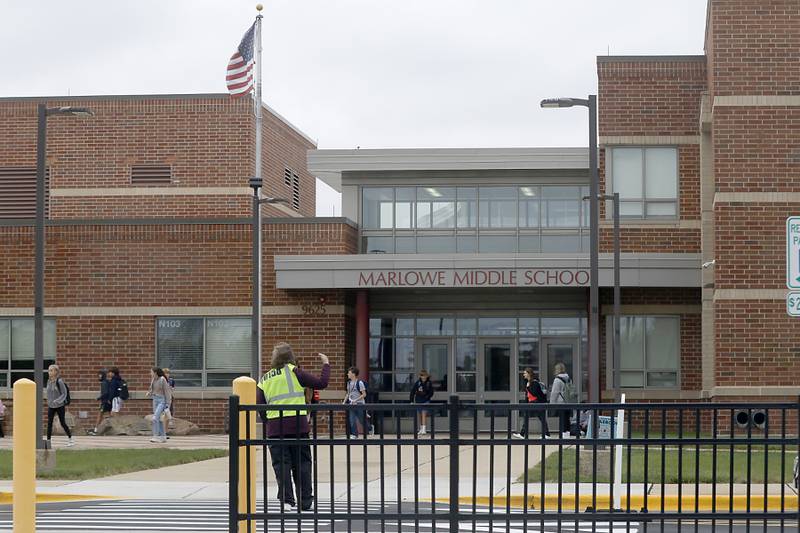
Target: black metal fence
668, 467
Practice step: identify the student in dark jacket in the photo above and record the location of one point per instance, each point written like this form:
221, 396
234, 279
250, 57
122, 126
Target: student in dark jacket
422, 392
106, 376
115, 391
534, 393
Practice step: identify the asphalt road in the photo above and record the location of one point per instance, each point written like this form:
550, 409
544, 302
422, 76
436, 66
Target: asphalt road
201, 516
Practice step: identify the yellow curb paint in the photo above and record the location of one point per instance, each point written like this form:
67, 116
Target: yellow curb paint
671, 503
7, 498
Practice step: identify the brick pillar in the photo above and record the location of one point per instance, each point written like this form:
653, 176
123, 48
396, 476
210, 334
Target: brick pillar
362, 334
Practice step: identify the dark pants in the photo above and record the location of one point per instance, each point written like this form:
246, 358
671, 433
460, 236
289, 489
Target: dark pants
541, 415
563, 420
293, 460
60, 411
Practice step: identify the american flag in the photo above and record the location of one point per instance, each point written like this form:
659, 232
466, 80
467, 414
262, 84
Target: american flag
240, 68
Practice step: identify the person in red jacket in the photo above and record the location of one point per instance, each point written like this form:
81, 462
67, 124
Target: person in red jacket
534, 393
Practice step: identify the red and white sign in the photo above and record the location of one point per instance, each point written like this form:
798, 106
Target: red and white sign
474, 278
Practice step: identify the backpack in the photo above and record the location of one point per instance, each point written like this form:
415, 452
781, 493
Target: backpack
123, 390
68, 399
569, 393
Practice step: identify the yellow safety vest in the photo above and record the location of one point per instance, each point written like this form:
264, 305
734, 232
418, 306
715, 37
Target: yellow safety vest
281, 387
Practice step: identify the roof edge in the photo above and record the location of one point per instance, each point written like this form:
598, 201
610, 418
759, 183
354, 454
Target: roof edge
650, 59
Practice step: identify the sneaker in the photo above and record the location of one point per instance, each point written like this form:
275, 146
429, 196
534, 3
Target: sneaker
517, 436
288, 507
70, 442
155, 439
163, 439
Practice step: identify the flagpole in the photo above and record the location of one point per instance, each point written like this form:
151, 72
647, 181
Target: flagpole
256, 319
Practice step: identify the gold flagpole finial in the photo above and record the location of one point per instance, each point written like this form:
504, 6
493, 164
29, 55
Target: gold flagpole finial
259, 7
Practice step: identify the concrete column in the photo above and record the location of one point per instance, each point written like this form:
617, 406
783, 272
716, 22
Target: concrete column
362, 333
708, 246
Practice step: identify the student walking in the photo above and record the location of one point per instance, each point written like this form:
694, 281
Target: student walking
115, 391
57, 401
106, 402
283, 385
422, 392
356, 395
534, 393
161, 393
559, 394
171, 382
2, 418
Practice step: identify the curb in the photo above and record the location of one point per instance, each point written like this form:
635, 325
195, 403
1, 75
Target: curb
7, 498
654, 502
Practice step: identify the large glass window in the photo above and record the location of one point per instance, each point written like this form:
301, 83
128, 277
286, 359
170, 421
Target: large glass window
646, 180
378, 208
498, 207
201, 352
649, 351
17, 349
501, 219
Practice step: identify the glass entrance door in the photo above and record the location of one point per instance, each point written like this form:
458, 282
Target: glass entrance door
495, 364
434, 356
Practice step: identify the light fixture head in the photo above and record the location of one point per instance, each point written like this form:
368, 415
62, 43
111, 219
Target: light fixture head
563, 102
70, 110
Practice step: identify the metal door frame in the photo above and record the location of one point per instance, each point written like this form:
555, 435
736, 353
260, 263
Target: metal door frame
511, 395
448, 341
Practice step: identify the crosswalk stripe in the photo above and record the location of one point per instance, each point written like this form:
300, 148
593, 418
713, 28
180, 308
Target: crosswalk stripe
212, 515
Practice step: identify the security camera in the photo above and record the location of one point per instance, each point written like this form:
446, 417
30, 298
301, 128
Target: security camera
709, 264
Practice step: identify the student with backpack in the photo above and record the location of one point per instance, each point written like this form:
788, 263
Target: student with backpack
356, 395
58, 398
105, 398
534, 393
422, 392
562, 391
119, 392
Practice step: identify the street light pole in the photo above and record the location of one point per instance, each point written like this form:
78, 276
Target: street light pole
38, 276
594, 238
255, 331
617, 375
39, 243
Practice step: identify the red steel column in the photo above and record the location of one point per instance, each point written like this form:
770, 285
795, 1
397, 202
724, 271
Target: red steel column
362, 334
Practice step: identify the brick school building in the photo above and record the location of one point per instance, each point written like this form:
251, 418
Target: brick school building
470, 263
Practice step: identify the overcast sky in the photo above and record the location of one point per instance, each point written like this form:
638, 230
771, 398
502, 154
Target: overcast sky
368, 73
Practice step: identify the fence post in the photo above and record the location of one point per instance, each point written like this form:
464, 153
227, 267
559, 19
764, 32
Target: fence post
454, 456
245, 388
24, 461
233, 463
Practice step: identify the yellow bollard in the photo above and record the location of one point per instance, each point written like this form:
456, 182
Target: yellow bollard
245, 389
24, 468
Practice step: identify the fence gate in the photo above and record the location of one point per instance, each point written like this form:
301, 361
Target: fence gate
667, 467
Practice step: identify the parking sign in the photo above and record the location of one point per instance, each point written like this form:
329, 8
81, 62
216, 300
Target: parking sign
793, 252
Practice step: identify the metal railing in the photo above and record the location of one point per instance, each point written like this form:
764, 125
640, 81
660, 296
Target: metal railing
665, 467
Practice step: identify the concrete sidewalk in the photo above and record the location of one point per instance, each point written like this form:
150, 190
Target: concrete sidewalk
424, 477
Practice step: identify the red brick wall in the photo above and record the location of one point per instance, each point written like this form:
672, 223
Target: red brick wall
753, 46
654, 97
649, 96
208, 140
690, 328
751, 244
756, 148
756, 343
171, 265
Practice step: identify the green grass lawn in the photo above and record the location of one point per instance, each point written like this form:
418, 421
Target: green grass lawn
89, 464
636, 475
